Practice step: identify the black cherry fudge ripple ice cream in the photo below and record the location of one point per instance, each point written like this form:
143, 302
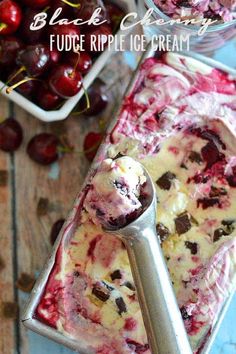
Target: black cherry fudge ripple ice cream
114, 198
179, 121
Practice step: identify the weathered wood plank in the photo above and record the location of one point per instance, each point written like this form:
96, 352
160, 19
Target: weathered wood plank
57, 185
7, 295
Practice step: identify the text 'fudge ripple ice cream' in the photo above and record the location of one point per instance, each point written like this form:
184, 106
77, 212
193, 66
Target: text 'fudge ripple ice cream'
179, 121
115, 191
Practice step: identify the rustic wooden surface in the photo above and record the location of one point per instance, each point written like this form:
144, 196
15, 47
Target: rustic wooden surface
24, 234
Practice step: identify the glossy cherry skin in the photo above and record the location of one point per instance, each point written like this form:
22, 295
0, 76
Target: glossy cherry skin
67, 10
65, 81
10, 17
101, 32
30, 37
65, 30
43, 148
26, 89
92, 142
88, 7
98, 99
11, 135
55, 56
81, 61
115, 14
35, 59
37, 4
9, 46
47, 99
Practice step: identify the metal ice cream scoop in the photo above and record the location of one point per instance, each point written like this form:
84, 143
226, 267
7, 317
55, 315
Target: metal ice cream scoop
162, 318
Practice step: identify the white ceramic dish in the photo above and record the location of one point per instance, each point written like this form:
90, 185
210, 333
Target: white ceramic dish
67, 107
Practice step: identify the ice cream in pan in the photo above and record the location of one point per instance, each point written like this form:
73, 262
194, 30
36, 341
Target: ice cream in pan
219, 10
179, 121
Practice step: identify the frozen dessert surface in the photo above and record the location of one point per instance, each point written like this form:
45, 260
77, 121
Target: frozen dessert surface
179, 121
220, 10
115, 193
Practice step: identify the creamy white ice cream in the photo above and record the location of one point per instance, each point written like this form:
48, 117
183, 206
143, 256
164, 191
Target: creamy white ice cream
115, 191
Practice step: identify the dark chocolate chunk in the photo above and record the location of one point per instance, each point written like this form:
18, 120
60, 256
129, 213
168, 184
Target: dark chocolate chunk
218, 233
195, 157
121, 305
192, 246
164, 182
43, 206
10, 310
208, 134
137, 347
184, 313
101, 292
3, 178
76, 274
231, 180
211, 154
129, 285
183, 3
118, 156
208, 202
116, 275
217, 192
162, 231
25, 282
182, 223
183, 166
109, 287
228, 222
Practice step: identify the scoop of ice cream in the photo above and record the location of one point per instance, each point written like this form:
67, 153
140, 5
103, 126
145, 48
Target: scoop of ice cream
115, 193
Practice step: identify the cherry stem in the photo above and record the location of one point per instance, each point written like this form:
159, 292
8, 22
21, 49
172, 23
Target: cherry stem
2, 26
12, 77
78, 5
87, 103
10, 89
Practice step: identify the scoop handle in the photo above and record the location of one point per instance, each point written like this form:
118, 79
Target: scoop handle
161, 314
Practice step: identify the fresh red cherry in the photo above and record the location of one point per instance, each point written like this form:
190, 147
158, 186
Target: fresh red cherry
56, 228
65, 81
35, 59
65, 30
26, 89
92, 142
98, 99
29, 36
37, 4
10, 16
101, 34
66, 11
9, 47
88, 7
55, 56
47, 99
81, 61
115, 14
43, 148
11, 135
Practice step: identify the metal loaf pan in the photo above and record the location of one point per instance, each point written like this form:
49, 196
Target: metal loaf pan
72, 222
62, 113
